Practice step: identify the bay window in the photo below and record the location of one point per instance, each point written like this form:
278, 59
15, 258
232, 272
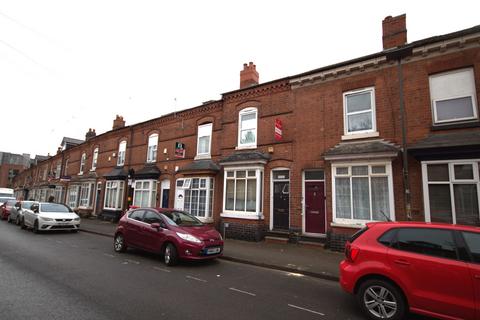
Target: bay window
145, 194
243, 191
198, 196
114, 195
86, 195
362, 192
72, 196
451, 191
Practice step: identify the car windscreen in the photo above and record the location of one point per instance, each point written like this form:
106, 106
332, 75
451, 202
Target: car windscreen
27, 204
11, 203
54, 207
5, 199
6, 195
182, 219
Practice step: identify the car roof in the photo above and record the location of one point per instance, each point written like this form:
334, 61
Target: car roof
419, 224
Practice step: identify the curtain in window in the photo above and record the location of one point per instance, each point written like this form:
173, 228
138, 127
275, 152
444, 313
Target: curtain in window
342, 198
466, 204
380, 199
361, 198
251, 195
240, 196
230, 195
204, 144
440, 205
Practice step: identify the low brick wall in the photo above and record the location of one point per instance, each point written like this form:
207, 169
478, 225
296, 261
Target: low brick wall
243, 231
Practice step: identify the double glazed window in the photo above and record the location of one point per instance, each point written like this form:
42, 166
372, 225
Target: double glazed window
453, 96
82, 162
122, 149
58, 170
95, 158
72, 196
152, 148
145, 194
362, 192
86, 192
359, 111
451, 191
247, 131
204, 140
114, 194
199, 197
243, 190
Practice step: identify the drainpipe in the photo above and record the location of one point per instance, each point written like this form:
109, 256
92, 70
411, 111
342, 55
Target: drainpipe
398, 55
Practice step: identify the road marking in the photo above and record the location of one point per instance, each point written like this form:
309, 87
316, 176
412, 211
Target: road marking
73, 246
244, 292
196, 279
304, 309
132, 261
161, 269
58, 241
109, 255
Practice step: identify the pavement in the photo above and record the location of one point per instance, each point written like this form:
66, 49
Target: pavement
311, 261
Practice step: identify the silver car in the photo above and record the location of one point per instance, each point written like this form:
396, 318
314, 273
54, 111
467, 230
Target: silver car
48, 216
16, 213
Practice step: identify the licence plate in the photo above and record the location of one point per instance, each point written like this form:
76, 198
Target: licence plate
213, 250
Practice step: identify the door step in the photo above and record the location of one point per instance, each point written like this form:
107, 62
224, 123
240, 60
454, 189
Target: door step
271, 239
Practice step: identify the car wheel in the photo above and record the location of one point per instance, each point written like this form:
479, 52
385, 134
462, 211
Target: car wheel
119, 243
22, 224
35, 227
17, 221
8, 219
379, 299
170, 255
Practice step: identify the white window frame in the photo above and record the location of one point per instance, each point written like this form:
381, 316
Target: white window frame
85, 195
259, 176
388, 173
469, 92
209, 201
82, 162
204, 130
118, 201
94, 159
151, 189
58, 194
244, 112
452, 181
72, 196
368, 132
152, 148
122, 150
65, 171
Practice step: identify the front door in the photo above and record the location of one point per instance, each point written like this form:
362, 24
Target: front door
314, 207
281, 205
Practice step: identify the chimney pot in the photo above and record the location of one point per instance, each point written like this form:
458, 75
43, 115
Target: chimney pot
394, 31
248, 76
118, 122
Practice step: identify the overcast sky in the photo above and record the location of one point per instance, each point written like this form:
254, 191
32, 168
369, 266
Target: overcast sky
67, 66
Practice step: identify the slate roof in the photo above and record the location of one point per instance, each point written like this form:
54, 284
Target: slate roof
201, 165
363, 149
454, 139
250, 156
117, 173
149, 171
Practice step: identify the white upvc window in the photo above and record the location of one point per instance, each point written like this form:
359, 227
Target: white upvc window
114, 195
45, 172
198, 196
145, 194
86, 195
451, 190
204, 140
247, 128
82, 162
65, 171
95, 159
72, 196
243, 192
152, 148
122, 149
362, 192
453, 96
359, 111
58, 169
58, 194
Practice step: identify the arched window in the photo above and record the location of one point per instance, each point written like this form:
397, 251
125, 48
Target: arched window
152, 148
122, 149
204, 140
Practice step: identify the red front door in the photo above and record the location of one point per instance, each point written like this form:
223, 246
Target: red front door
314, 207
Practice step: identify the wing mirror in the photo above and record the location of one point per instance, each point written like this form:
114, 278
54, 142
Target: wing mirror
158, 226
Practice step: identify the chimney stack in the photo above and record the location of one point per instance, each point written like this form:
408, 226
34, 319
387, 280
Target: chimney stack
394, 31
118, 122
248, 76
90, 134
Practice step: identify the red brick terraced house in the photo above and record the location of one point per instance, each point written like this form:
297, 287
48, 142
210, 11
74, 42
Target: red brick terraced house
311, 157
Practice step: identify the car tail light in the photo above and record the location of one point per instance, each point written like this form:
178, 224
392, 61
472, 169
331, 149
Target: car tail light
351, 252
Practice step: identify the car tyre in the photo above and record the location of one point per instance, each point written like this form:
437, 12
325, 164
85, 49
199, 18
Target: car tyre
379, 299
22, 224
18, 221
8, 219
35, 227
119, 243
170, 255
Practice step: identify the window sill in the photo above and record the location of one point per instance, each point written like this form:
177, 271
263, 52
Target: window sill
246, 216
348, 225
245, 147
360, 135
202, 157
457, 125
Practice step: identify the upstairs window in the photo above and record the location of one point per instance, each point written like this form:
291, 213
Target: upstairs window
204, 140
152, 148
122, 148
247, 128
58, 169
95, 158
65, 171
359, 111
82, 162
453, 96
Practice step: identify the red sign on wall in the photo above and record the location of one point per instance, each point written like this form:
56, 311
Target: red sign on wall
278, 130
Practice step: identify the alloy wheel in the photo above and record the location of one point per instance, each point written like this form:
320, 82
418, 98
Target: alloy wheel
380, 302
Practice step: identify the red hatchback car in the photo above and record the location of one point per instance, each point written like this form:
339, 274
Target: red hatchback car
427, 268
6, 207
173, 233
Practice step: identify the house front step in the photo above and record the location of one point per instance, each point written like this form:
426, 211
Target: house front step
271, 239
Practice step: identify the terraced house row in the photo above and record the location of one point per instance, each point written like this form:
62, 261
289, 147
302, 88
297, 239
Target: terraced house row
393, 134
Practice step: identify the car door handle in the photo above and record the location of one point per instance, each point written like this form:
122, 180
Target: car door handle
402, 262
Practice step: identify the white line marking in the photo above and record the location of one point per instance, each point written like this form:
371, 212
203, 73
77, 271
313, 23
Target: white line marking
197, 279
132, 261
161, 269
73, 246
244, 292
304, 309
109, 255
58, 241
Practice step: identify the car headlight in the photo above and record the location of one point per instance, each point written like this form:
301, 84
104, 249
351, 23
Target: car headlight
220, 236
188, 237
47, 219
77, 219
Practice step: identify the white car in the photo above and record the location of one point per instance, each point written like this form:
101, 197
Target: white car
48, 216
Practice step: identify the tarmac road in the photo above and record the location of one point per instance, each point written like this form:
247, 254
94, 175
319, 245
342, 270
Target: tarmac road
79, 276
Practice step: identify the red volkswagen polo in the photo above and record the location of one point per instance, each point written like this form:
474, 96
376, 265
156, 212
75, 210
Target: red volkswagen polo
427, 268
173, 233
